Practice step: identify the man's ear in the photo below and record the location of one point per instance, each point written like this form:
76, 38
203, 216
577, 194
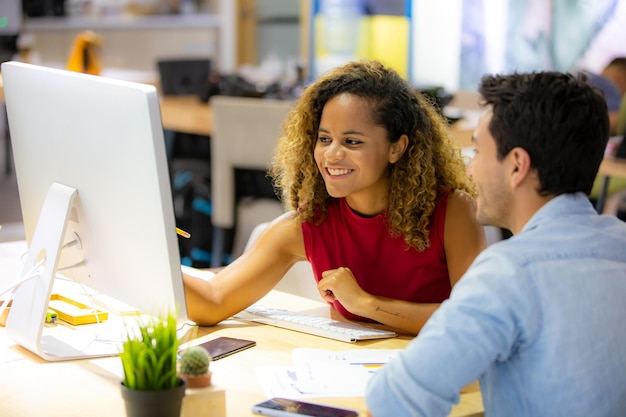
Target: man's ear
398, 148
520, 163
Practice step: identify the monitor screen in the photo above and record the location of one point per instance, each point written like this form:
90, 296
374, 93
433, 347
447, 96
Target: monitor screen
92, 173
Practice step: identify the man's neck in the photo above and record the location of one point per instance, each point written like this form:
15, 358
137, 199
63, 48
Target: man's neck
524, 208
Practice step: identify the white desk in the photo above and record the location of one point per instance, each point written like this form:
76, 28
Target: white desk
29, 386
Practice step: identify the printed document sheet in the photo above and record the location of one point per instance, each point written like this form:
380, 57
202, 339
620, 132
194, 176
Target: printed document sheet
324, 373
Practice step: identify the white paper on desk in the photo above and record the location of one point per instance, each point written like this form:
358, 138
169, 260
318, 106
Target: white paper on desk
324, 379
324, 373
278, 381
289, 382
368, 358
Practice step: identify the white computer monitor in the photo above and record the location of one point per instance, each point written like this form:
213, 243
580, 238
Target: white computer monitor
94, 189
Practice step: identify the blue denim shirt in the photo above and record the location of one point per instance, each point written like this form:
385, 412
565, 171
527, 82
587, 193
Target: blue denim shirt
539, 319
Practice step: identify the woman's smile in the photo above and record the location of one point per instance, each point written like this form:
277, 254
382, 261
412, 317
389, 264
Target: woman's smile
338, 172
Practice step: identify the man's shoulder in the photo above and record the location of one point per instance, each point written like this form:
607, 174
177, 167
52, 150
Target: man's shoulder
560, 240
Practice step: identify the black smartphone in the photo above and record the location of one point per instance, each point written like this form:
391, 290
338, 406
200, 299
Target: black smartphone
283, 407
224, 346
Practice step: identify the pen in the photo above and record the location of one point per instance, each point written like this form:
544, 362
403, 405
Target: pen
369, 367
182, 233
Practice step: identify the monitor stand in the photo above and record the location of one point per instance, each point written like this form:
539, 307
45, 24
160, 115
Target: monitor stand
25, 323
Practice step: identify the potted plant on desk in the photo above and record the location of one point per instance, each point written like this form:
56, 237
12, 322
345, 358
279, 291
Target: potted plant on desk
151, 386
194, 367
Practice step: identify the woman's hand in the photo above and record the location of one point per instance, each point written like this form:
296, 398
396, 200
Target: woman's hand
340, 284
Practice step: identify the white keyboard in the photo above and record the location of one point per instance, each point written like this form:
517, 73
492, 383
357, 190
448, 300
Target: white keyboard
318, 326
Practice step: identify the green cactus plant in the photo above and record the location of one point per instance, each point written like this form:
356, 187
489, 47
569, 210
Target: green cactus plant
194, 361
194, 366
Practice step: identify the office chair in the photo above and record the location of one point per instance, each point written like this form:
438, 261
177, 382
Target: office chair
299, 280
245, 131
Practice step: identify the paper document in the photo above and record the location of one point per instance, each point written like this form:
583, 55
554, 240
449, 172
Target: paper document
324, 373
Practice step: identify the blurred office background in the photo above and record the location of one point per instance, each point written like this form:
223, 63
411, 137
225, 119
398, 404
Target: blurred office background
447, 42
444, 43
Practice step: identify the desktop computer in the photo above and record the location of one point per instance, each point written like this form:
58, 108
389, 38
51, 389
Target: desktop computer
96, 201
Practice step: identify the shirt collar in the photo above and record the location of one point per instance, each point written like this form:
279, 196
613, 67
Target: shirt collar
559, 206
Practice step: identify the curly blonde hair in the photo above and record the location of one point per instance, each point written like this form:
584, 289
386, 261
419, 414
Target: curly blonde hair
430, 164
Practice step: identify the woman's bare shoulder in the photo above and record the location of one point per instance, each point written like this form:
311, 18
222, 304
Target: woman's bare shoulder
460, 200
461, 212
283, 234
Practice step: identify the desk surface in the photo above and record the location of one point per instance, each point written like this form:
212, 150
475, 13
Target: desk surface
33, 387
186, 114
30, 386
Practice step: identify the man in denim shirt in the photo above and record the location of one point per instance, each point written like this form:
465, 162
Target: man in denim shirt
540, 318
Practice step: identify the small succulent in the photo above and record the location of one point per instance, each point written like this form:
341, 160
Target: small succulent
194, 361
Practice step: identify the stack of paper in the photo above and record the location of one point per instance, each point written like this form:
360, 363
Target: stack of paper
324, 373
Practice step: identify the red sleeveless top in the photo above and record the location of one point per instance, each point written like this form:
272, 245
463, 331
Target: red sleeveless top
381, 264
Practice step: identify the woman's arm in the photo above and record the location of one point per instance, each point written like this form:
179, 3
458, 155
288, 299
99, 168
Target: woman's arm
464, 239
248, 278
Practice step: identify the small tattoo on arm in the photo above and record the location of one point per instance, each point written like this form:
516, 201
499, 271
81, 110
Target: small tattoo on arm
388, 312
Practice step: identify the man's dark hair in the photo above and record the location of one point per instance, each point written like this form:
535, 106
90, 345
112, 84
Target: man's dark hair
558, 118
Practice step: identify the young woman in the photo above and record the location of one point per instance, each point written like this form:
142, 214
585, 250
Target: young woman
380, 206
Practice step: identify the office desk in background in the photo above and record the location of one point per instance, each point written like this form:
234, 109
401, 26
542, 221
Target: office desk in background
186, 114
32, 387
